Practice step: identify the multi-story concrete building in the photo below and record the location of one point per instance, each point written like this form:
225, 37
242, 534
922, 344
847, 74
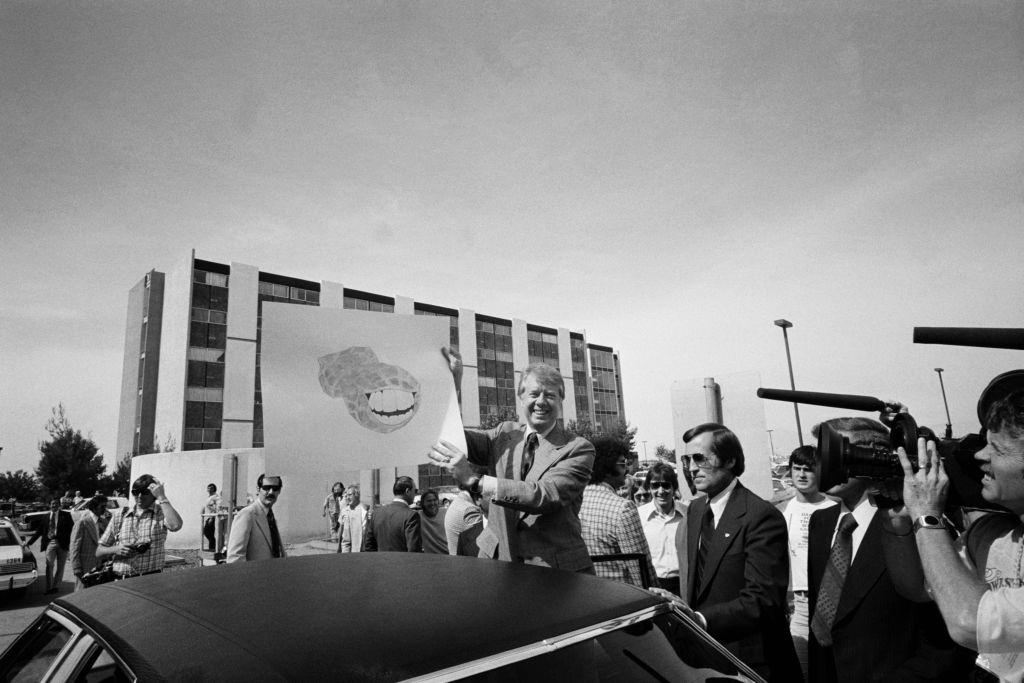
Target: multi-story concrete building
192, 356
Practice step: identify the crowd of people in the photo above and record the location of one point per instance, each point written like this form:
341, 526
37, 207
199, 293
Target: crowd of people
849, 584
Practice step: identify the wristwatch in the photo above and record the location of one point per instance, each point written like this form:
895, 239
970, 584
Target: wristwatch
929, 522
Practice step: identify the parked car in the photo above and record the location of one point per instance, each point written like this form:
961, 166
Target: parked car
366, 616
17, 563
28, 521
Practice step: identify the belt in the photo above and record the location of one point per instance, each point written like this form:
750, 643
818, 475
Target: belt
132, 575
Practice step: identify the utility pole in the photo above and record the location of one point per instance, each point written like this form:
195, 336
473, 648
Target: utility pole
949, 422
772, 442
785, 325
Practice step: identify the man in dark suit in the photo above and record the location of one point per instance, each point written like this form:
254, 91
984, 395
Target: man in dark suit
737, 558
535, 476
395, 527
55, 531
862, 628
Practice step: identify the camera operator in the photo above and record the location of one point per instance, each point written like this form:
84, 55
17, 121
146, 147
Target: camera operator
979, 592
853, 592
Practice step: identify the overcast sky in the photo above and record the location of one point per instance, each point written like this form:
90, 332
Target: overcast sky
670, 177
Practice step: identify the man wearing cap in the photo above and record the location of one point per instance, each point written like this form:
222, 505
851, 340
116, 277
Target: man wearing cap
136, 536
862, 627
254, 534
981, 591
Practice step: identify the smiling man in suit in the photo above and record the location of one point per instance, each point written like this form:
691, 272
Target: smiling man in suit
254, 534
737, 558
535, 475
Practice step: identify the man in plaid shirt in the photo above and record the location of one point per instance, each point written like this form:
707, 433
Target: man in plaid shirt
148, 521
611, 525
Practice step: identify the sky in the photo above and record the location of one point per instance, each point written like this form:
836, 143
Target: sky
668, 177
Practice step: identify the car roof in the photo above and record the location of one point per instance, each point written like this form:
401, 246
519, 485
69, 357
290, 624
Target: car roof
368, 616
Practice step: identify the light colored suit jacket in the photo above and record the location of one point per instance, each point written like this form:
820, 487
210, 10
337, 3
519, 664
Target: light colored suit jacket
85, 536
250, 535
535, 520
353, 522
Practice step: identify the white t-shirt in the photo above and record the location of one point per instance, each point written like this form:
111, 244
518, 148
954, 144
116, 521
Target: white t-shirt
798, 517
1001, 610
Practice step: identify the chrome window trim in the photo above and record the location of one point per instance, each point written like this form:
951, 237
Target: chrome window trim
64, 616
519, 654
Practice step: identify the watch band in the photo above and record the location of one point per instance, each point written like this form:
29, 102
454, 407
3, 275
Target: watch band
929, 522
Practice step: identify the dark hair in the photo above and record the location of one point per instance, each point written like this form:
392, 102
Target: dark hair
1007, 413
403, 485
259, 480
724, 444
803, 455
667, 472
430, 492
545, 374
96, 503
141, 484
607, 451
861, 431
212, 486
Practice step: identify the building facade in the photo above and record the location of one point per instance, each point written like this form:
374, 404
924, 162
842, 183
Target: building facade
192, 357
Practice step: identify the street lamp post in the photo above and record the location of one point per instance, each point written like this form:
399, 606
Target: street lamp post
645, 450
785, 325
949, 422
772, 442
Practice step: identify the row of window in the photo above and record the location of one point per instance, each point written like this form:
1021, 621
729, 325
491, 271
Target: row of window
209, 296
285, 292
364, 305
203, 315
207, 278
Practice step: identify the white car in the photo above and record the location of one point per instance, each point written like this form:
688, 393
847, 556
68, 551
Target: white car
17, 563
112, 505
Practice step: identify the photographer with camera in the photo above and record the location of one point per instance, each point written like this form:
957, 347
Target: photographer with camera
979, 592
135, 536
853, 594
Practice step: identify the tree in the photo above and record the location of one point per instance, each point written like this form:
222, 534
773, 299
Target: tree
621, 432
665, 454
20, 485
492, 420
119, 479
70, 461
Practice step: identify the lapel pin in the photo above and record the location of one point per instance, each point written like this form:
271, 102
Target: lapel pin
727, 535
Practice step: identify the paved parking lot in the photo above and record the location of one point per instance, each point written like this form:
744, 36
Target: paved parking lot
18, 612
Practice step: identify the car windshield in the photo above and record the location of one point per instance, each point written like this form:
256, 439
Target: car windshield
7, 536
665, 648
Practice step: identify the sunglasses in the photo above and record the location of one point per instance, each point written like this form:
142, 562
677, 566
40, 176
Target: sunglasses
142, 492
660, 485
702, 461
270, 487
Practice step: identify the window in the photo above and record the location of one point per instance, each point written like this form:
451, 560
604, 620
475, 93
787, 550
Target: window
36, 651
100, 667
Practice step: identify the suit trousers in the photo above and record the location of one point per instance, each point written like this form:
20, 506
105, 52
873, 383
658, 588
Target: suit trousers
55, 559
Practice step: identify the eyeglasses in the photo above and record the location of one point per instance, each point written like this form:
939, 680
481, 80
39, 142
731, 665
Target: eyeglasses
702, 461
270, 487
643, 496
660, 485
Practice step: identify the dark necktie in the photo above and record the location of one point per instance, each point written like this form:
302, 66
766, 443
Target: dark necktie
275, 536
528, 452
707, 531
832, 583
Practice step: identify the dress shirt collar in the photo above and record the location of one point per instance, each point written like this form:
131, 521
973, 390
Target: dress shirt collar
719, 502
531, 430
649, 511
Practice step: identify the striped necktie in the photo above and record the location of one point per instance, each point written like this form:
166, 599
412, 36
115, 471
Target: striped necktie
839, 560
528, 453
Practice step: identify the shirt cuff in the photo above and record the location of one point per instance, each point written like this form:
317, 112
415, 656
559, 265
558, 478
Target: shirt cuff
488, 486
